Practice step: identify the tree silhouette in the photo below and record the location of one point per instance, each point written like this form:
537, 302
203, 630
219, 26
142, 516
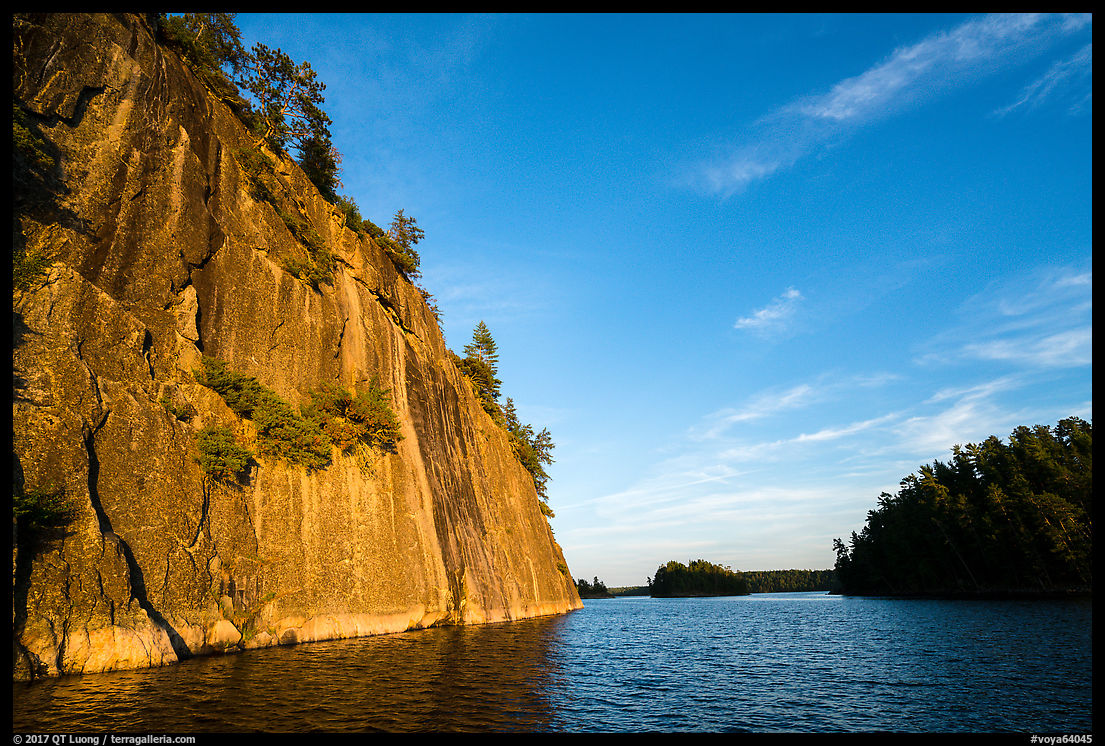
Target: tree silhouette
996, 518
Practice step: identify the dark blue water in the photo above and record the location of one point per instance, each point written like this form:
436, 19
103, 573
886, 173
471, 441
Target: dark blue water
761, 663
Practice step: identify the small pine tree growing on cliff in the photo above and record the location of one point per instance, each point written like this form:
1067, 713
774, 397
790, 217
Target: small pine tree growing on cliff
352, 213
399, 241
321, 162
480, 365
532, 450
483, 347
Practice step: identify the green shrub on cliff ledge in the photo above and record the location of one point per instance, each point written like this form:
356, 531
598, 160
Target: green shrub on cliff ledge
220, 456
241, 393
256, 167
28, 142
287, 436
352, 213
280, 431
37, 510
312, 272
318, 268
335, 417
34, 168
365, 417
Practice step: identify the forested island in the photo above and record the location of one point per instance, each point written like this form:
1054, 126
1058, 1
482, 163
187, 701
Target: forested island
697, 578
998, 519
756, 581
597, 589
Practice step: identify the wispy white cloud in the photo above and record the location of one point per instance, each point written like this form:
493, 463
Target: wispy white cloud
967, 419
936, 62
1070, 79
910, 75
1065, 349
977, 391
835, 433
774, 402
759, 407
773, 318
793, 489
1038, 320
786, 448
928, 428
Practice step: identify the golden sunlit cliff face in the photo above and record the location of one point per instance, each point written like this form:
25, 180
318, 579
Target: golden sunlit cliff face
158, 253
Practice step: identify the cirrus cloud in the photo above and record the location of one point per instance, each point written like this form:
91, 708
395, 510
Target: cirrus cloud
910, 75
774, 317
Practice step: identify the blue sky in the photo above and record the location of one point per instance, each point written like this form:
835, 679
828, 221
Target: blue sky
749, 270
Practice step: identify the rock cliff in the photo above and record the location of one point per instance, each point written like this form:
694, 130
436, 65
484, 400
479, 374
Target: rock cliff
156, 253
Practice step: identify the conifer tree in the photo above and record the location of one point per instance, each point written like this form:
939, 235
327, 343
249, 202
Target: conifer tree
289, 97
481, 364
321, 162
402, 235
532, 450
209, 41
483, 347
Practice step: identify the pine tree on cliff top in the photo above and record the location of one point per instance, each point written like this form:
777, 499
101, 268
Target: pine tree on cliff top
481, 365
289, 98
403, 234
483, 347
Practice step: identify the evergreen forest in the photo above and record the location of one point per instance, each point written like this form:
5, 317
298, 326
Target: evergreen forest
596, 589
999, 518
789, 581
697, 578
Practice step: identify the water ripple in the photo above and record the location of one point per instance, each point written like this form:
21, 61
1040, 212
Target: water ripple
761, 663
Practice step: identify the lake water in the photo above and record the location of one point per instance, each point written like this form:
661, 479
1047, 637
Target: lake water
798, 662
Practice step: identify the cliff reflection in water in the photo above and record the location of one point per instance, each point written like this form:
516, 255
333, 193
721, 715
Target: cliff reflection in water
488, 677
770, 662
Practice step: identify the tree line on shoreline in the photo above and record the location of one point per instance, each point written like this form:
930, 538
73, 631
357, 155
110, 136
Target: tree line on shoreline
999, 518
701, 578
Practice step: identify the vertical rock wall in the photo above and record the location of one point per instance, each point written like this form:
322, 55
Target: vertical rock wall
160, 255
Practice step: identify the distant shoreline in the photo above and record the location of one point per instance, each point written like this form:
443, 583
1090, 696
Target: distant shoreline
978, 595
700, 595
642, 592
